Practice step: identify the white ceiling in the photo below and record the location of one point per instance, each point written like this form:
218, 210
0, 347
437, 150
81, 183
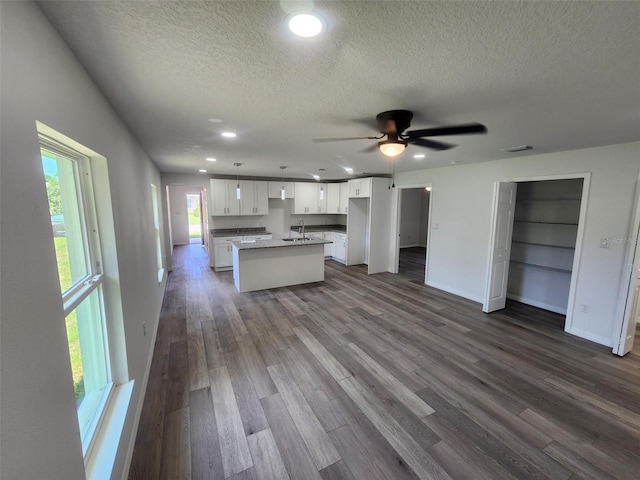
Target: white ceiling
554, 75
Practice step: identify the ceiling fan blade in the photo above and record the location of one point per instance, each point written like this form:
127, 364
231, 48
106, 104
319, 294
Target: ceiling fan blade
449, 130
370, 149
430, 144
321, 140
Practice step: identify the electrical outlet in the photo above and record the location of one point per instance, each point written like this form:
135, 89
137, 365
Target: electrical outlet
605, 242
584, 308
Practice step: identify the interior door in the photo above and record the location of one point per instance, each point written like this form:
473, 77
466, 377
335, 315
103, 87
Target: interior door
630, 297
504, 204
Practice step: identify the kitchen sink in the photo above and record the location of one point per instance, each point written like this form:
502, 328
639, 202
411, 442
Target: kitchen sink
295, 239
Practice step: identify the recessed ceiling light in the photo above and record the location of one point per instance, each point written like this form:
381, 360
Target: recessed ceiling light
428, 189
455, 162
305, 25
229, 134
211, 159
349, 170
215, 120
419, 155
202, 170
316, 177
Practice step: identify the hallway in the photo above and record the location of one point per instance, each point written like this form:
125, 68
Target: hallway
375, 377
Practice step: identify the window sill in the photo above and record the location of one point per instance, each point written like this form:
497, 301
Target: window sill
99, 461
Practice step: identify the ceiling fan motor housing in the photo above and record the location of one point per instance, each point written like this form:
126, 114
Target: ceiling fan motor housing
394, 121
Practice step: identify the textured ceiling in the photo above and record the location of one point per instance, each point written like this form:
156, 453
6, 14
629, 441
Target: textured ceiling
555, 75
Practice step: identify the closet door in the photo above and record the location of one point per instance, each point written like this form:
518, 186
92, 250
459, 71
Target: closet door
504, 204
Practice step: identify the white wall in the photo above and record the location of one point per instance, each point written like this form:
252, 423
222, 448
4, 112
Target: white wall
41, 80
424, 219
461, 207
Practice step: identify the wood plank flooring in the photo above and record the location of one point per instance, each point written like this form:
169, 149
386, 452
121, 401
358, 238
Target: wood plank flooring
375, 377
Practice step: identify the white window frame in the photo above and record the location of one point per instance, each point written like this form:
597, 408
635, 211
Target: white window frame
91, 283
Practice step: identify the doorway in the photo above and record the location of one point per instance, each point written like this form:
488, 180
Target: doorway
410, 238
536, 240
194, 218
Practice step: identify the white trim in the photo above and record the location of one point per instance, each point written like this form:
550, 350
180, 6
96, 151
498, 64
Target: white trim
143, 390
395, 230
537, 303
101, 458
577, 257
456, 292
590, 336
624, 307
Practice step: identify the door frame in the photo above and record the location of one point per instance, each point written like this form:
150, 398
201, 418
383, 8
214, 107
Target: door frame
395, 227
577, 256
625, 311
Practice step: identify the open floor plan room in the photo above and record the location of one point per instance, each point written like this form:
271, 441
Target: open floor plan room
375, 377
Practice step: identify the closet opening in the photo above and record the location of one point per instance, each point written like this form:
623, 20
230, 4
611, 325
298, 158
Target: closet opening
543, 244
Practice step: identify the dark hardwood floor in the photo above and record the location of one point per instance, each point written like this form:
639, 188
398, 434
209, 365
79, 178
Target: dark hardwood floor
412, 262
375, 377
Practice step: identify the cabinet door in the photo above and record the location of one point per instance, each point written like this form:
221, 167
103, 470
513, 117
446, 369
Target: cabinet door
219, 197
223, 255
344, 198
306, 199
329, 247
360, 187
247, 198
261, 198
340, 249
333, 198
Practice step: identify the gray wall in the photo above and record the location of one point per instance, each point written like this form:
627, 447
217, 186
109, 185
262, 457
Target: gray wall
41, 80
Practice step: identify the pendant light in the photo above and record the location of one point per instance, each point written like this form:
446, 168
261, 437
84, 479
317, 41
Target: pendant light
237, 181
283, 193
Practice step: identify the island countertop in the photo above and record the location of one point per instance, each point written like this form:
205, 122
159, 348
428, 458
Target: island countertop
294, 242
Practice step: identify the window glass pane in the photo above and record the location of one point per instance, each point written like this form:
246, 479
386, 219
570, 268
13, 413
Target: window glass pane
65, 208
88, 357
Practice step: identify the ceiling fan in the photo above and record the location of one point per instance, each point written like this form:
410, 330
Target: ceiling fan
393, 123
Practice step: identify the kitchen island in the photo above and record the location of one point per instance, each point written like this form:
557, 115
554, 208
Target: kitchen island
277, 263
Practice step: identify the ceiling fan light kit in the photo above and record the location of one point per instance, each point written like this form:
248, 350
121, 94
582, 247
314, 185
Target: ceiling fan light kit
391, 148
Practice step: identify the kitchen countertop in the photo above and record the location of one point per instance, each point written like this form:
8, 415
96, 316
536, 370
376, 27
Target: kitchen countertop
238, 232
277, 243
320, 228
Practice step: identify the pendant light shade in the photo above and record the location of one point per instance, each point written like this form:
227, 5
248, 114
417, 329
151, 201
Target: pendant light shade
238, 193
283, 192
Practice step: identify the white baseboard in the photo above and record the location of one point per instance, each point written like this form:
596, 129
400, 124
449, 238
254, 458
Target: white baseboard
145, 380
454, 291
591, 337
411, 245
538, 304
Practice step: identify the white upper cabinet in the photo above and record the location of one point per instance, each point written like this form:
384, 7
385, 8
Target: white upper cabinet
333, 198
254, 198
309, 198
344, 198
276, 187
222, 198
338, 198
360, 188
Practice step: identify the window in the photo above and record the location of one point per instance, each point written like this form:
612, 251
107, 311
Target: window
77, 245
156, 226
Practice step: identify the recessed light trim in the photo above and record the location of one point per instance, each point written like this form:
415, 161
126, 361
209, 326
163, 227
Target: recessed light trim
349, 170
305, 25
202, 170
211, 159
229, 134
316, 177
419, 155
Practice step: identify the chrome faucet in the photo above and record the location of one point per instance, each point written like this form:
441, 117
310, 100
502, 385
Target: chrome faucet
301, 222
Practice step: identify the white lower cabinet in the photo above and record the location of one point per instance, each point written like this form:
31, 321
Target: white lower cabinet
223, 250
340, 247
328, 247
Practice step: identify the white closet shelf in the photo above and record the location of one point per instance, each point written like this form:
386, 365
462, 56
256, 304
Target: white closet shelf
543, 245
541, 267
